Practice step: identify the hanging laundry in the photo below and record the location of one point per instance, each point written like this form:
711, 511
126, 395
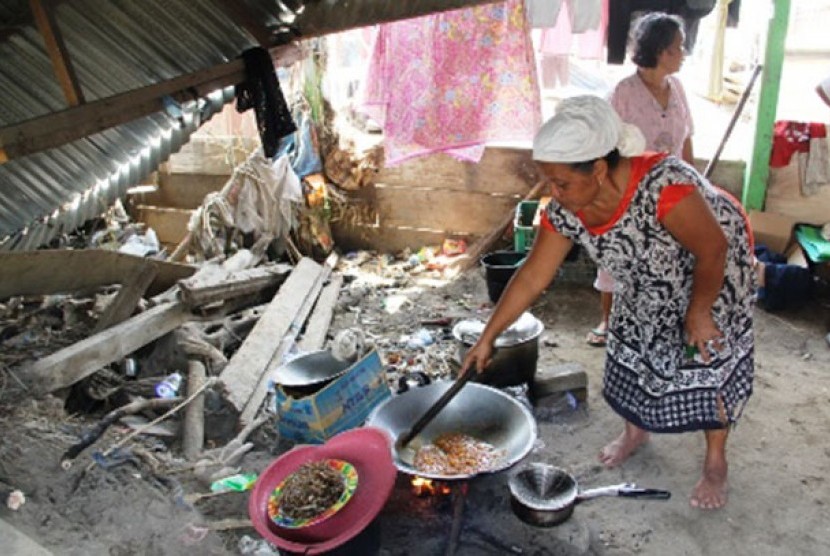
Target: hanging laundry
542, 13
791, 137
453, 80
301, 147
261, 91
564, 38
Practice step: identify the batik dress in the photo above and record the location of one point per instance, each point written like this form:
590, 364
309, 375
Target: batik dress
650, 380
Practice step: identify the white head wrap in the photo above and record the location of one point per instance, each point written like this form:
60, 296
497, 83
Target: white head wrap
585, 128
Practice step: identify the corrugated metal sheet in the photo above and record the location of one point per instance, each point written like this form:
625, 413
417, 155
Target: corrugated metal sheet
115, 46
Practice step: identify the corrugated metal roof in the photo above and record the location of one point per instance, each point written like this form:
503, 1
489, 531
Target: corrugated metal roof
118, 46
115, 47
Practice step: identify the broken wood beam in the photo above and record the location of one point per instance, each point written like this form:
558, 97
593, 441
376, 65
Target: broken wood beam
33, 272
287, 341
73, 363
314, 337
125, 302
245, 369
199, 290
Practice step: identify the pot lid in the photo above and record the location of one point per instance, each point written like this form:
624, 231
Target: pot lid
526, 328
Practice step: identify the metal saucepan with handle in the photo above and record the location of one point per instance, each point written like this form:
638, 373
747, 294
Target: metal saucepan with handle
477, 410
543, 495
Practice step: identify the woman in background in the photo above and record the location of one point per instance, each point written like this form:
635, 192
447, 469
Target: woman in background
652, 99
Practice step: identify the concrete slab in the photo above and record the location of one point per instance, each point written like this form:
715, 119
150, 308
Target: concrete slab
18, 543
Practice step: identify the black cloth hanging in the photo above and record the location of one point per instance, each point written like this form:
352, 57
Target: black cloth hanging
261, 91
734, 13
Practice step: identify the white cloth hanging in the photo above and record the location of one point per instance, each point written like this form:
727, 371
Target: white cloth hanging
542, 13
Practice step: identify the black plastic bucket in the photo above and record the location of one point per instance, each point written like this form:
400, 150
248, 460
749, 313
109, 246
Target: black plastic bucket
499, 267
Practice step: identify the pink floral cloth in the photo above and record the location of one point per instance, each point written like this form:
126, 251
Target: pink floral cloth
452, 81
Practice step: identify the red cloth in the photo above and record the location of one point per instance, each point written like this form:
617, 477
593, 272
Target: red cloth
791, 137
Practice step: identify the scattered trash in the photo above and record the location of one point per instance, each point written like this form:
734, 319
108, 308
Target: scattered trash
420, 339
237, 483
141, 245
452, 247
169, 387
551, 407
129, 367
256, 547
15, 500
194, 534
349, 345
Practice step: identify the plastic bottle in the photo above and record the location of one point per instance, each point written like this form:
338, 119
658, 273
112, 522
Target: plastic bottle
169, 387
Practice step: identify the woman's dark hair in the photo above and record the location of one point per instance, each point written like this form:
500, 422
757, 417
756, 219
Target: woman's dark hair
653, 34
612, 159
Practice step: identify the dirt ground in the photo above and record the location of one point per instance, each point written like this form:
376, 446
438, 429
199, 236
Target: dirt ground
778, 455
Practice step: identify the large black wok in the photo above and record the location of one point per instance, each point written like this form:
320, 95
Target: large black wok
477, 410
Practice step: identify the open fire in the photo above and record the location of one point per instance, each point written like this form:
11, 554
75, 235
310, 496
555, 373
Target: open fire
424, 487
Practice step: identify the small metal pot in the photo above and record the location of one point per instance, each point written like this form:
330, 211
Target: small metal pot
516, 352
543, 495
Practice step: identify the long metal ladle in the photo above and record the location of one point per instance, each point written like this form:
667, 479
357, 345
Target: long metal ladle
434, 409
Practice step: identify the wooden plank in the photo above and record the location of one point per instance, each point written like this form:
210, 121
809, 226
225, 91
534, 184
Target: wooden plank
73, 363
196, 292
170, 224
185, 191
251, 408
242, 374
502, 170
314, 337
459, 212
33, 272
485, 242
212, 156
125, 302
55, 47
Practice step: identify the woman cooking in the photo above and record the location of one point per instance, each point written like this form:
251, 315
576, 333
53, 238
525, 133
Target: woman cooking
681, 253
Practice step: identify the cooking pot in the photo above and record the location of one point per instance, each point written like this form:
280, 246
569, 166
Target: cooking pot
515, 354
543, 495
477, 410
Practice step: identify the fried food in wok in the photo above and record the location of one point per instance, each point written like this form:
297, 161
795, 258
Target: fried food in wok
457, 454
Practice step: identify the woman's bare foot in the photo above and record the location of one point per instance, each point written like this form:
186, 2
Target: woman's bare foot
618, 450
710, 492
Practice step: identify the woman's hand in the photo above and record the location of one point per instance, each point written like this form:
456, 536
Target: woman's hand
702, 332
478, 357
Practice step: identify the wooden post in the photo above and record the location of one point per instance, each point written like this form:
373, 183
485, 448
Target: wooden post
193, 436
755, 186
